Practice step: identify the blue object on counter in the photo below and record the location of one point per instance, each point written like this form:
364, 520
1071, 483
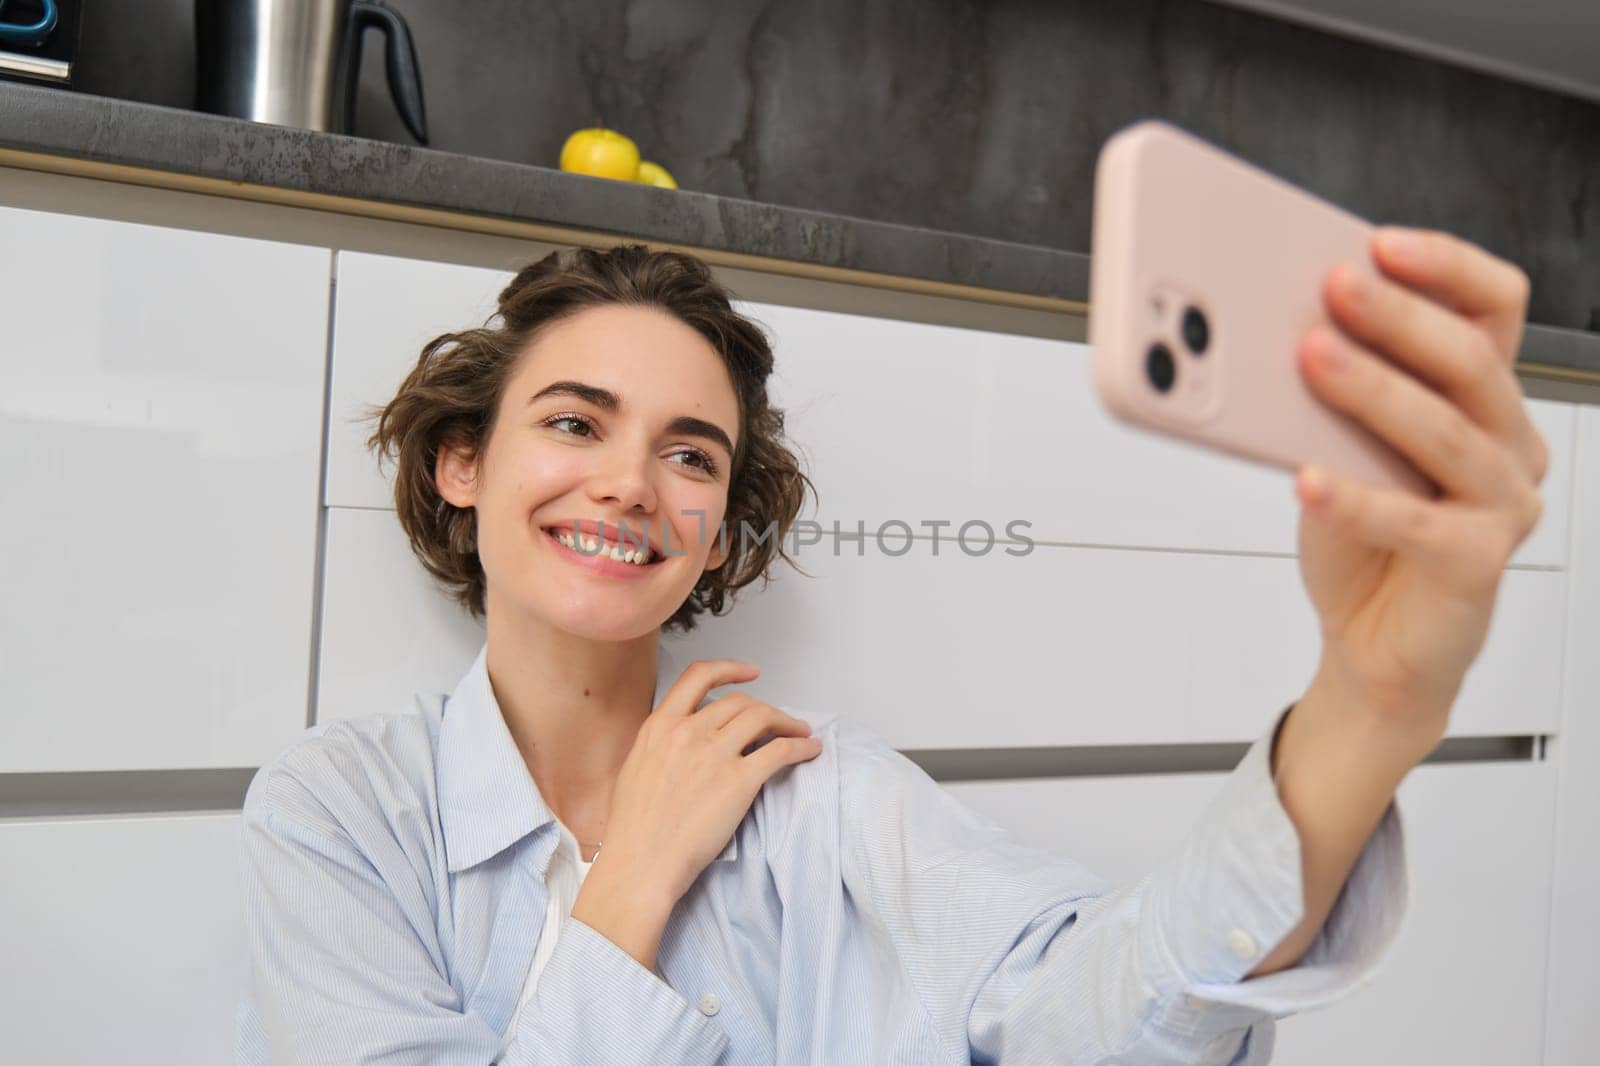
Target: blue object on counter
29, 33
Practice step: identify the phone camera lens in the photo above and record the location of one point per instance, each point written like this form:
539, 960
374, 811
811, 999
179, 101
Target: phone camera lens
1159, 367
1196, 333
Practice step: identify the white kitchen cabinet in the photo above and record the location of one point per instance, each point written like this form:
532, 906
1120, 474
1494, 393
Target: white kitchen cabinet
1085, 646
906, 421
166, 390
921, 422
386, 309
1464, 982
1121, 826
161, 398
1574, 1024
124, 939
388, 633
959, 651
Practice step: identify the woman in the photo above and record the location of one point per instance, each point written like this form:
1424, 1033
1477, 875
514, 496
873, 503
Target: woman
429, 885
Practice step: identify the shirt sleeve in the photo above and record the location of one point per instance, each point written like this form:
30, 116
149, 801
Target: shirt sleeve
343, 971
1022, 955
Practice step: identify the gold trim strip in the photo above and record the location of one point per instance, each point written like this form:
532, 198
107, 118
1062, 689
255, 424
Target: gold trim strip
1552, 372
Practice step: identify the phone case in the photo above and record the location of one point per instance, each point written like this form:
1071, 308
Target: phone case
1183, 228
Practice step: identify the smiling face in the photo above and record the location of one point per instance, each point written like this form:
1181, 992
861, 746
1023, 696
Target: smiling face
619, 414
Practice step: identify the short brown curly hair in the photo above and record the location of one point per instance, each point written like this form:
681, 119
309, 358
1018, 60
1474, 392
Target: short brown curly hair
453, 393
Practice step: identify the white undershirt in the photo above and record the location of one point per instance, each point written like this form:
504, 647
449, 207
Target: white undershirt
563, 879
567, 871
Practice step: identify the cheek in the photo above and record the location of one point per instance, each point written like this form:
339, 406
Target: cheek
545, 472
684, 506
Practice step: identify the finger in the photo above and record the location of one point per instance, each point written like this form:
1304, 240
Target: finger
700, 677
1383, 518
1444, 349
722, 710
1462, 276
757, 720
1413, 419
768, 760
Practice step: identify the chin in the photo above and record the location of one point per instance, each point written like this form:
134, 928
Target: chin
611, 620
616, 631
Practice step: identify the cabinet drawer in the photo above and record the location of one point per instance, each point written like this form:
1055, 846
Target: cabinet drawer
906, 421
1084, 645
959, 651
126, 941
921, 422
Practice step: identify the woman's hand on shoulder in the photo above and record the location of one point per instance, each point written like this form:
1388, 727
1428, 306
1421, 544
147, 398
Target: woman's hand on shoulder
685, 787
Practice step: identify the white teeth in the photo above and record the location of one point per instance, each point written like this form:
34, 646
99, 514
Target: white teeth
591, 545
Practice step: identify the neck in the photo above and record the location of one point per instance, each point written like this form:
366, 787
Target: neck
574, 707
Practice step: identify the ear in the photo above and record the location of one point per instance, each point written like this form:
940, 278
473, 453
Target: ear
455, 476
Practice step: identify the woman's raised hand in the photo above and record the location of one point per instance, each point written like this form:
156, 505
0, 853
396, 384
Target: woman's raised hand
1423, 354
683, 789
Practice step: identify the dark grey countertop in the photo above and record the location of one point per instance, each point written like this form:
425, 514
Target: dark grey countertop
54, 122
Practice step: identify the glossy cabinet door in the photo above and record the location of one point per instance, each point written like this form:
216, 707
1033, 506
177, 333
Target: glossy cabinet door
957, 651
916, 422
906, 422
161, 397
388, 308
1070, 645
1574, 1025
124, 940
1464, 981
388, 633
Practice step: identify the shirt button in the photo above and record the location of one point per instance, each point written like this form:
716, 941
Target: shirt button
1242, 944
709, 1004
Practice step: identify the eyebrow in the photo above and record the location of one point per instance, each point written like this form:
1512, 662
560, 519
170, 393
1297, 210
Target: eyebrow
606, 400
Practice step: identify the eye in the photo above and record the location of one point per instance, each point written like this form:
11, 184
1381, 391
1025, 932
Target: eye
706, 463
569, 416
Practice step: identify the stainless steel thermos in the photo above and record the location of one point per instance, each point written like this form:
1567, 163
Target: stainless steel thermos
296, 62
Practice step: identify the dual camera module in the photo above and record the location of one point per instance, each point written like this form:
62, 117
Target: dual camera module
1160, 366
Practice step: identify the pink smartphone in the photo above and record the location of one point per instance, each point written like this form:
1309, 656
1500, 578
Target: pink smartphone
1205, 273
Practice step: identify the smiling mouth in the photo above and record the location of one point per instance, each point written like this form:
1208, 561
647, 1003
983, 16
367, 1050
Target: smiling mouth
590, 547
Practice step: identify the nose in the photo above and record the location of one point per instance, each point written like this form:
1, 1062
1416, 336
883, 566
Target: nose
623, 479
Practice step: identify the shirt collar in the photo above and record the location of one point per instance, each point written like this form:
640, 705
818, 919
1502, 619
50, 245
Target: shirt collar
487, 799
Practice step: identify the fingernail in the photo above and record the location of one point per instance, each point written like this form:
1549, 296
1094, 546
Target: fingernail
1400, 245
1315, 481
1357, 287
1327, 351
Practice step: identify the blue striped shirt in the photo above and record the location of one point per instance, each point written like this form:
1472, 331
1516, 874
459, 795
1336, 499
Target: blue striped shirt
393, 870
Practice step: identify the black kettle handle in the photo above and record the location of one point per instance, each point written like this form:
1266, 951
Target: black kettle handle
405, 78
